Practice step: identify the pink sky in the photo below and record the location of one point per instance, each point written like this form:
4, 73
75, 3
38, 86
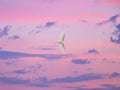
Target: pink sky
44, 10
30, 57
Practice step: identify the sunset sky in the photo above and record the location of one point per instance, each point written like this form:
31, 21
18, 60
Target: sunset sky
31, 58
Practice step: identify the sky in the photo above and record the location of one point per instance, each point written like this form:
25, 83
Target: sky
31, 58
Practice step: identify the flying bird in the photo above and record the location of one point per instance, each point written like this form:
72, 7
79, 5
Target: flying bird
61, 41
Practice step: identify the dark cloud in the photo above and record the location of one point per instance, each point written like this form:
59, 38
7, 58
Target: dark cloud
46, 25
12, 55
118, 27
41, 82
5, 31
84, 77
80, 61
116, 33
111, 19
49, 24
13, 80
20, 72
115, 74
14, 37
93, 51
117, 41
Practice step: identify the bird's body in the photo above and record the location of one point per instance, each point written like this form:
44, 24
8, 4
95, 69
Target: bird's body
61, 41
62, 37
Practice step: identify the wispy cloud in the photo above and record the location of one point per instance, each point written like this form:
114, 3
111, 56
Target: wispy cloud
4, 31
80, 61
14, 37
19, 72
115, 38
111, 19
9, 55
46, 25
42, 82
104, 87
84, 77
13, 80
110, 87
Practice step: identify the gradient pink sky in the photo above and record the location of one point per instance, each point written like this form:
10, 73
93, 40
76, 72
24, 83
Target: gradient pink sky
54, 10
31, 29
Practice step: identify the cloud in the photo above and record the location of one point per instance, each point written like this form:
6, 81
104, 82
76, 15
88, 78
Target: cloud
80, 61
111, 19
20, 72
110, 87
13, 80
84, 77
46, 25
93, 51
104, 87
115, 74
5, 31
117, 41
116, 34
42, 82
49, 24
14, 37
115, 38
12, 55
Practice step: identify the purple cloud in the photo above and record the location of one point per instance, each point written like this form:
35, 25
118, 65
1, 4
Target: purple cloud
115, 74
84, 77
49, 24
80, 61
116, 33
42, 82
14, 37
20, 72
10, 55
93, 51
111, 19
12, 80
5, 31
104, 87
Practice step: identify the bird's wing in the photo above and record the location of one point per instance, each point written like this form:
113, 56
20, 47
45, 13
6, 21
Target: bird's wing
62, 37
62, 47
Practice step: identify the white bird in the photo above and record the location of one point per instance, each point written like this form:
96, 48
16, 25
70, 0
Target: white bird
61, 41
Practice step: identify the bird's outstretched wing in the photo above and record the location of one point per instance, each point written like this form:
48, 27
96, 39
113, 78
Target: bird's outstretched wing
62, 47
62, 37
